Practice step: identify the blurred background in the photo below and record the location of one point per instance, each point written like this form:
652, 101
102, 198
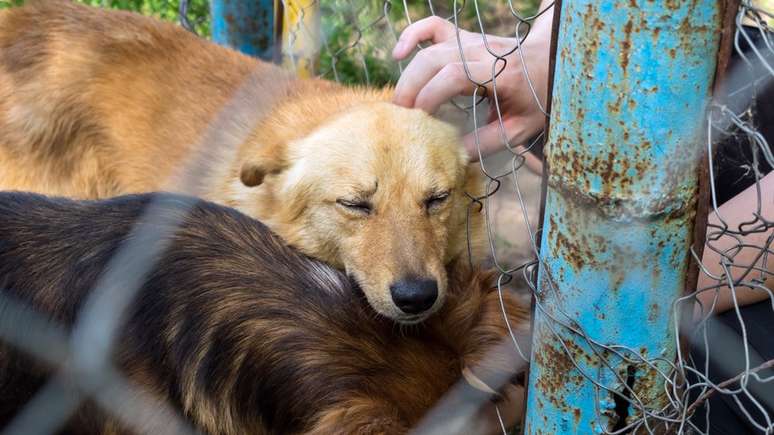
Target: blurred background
340, 21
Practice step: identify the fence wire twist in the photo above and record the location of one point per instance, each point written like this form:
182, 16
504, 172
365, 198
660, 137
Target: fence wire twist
82, 357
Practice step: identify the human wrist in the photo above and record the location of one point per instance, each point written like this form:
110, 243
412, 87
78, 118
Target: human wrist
544, 23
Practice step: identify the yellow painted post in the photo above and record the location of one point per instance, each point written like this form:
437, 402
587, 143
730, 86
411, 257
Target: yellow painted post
301, 39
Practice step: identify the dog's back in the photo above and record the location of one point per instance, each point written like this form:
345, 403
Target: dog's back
84, 93
234, 329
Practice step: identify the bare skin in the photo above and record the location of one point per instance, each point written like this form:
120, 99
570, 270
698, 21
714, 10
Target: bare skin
437, 74
736, 211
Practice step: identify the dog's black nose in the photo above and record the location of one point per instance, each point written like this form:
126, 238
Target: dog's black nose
414, 296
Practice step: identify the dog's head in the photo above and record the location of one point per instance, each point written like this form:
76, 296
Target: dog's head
379, 191
443, 377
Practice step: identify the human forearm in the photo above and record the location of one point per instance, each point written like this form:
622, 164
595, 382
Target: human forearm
739, 252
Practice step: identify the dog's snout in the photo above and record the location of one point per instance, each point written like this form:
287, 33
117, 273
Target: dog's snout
414, 296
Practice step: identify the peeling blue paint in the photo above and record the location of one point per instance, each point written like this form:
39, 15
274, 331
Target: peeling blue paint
247, 26
632, 82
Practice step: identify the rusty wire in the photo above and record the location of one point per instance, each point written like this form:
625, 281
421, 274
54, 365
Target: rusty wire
687, 383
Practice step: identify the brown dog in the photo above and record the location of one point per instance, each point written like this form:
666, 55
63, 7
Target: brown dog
238, 332
96, 103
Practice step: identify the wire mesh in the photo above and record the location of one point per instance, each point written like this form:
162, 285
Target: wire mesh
729, 367
737, 251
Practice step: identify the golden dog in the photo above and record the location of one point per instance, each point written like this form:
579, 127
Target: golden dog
96, 103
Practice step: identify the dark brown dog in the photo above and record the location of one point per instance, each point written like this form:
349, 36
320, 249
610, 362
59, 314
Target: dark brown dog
238, 332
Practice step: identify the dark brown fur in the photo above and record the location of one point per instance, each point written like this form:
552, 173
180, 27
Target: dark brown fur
238, 332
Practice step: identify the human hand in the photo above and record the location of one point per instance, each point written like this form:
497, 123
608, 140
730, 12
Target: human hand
437, 73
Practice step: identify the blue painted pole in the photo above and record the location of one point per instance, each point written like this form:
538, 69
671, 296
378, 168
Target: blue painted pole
249, 26
632, 83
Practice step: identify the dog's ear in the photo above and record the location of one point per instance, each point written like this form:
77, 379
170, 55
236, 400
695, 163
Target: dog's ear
266, 161
253, 172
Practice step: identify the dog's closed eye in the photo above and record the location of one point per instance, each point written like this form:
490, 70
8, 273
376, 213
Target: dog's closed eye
355, 205
436, 199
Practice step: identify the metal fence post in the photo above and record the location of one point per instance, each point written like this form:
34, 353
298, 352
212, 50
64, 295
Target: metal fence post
632, 83
301, 36
249, 26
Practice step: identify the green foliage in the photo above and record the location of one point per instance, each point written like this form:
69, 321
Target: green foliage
358, 41
198, 10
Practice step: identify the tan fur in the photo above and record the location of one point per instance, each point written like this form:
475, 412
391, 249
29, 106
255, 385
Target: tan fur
97, 103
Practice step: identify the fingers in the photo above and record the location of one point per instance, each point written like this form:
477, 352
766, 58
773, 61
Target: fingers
491, 140
450, 81
433, 29
425, 65
437, 74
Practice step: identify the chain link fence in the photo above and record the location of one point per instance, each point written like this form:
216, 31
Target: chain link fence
728, 367
735, 268
729, 370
